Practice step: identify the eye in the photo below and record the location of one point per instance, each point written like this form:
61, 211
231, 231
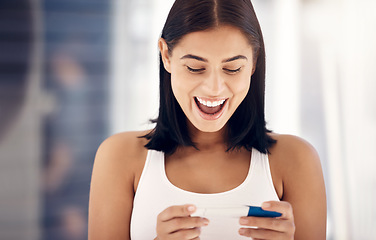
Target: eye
232, 70
195, 70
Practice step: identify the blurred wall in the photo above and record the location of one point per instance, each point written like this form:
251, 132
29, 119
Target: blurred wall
136, 27
54, 102
76, 74
20, 120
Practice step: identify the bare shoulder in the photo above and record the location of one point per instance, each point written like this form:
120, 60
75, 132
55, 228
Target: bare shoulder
123, 147
124, 153
289, 156
293, 158
292, 152
298, 178
119, 160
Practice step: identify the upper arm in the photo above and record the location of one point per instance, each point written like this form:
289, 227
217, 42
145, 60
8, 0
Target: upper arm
112, 188
303, 187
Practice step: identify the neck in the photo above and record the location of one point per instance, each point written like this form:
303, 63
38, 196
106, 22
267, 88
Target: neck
207, 141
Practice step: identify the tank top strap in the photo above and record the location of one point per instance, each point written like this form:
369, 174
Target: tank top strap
261, 171
152, 168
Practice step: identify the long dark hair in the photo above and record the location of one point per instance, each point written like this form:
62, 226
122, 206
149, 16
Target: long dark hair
246, 127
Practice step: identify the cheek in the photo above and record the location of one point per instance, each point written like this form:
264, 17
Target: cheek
175, 84
240, 88
181, 88
182, 83
175, 89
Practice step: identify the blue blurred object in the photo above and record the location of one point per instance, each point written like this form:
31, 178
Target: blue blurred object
76, 73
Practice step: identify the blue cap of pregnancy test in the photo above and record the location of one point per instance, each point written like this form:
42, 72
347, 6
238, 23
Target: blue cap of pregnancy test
259, 212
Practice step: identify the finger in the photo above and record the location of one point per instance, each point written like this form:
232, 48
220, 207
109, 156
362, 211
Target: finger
279, 206
275, 224
176, 211
180, 223
258, 233
192, 233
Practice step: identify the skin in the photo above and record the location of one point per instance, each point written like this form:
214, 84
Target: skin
226, 50
295, 165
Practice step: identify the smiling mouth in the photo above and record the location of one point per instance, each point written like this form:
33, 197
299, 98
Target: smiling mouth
210, 107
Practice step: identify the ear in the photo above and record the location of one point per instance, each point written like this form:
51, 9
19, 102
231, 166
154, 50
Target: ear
254, 68
165, 54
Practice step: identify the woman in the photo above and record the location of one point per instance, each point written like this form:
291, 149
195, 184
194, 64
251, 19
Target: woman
210, 146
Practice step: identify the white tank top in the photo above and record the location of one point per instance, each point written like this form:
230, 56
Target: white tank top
155, 193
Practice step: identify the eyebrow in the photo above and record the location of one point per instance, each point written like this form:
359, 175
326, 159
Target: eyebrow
205, 60
235, 58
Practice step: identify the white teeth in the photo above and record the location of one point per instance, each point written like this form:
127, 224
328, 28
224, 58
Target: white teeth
210, 104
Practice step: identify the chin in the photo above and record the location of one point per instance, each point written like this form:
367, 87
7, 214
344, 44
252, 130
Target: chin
209, 127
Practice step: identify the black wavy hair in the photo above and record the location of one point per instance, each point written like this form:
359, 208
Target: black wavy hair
247, 126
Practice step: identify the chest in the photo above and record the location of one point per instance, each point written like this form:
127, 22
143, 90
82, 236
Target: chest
208, 173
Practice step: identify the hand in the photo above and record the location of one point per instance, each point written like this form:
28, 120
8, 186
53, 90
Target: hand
270, 228
175, 222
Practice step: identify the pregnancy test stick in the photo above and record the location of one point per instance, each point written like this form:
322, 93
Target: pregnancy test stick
240, 211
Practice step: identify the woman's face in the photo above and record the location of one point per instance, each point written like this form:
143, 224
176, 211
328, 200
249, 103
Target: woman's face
210, 74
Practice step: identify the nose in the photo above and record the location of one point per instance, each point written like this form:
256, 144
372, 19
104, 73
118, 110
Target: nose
214, 84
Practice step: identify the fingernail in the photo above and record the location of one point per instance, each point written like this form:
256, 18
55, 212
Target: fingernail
191, 208
265, 205
243, 221
242, 231
205, 221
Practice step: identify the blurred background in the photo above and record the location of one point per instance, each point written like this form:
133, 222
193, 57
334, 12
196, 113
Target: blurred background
73, 72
